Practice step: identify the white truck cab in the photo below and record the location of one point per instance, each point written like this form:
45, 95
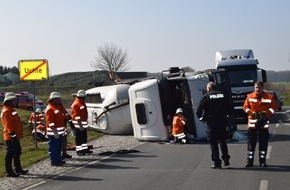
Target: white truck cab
243, 72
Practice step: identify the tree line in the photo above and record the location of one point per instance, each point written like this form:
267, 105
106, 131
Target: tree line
4, 70
278, 76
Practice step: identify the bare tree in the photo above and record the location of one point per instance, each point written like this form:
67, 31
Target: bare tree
112, 59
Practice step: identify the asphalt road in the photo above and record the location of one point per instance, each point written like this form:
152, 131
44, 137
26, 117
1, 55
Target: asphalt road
169, 166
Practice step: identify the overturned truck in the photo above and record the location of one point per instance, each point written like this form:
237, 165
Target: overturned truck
108, 109
153, 102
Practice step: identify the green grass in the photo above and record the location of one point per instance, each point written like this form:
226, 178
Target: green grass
31, 154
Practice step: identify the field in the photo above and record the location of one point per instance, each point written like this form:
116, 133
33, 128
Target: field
283, 88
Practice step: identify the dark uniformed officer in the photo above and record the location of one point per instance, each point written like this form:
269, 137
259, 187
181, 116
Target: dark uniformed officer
214, 108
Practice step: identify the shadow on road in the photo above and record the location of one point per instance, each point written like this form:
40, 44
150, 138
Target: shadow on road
270, 168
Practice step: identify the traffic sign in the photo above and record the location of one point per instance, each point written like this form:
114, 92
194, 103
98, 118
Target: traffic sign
35, 69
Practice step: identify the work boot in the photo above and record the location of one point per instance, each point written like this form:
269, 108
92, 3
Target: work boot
81, 153
8, 167
263, 164
57, 164
216, 166
88, 151
12, 174
63, 156
226, 162
249, 164
21, 171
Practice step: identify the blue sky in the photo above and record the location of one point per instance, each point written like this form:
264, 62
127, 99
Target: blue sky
156, 34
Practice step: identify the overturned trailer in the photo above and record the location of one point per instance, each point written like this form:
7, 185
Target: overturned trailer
108, 109
153, 102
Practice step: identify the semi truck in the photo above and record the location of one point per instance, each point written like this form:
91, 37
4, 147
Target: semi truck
243, 72
153, 102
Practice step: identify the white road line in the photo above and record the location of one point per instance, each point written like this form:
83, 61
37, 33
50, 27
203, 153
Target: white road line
263, 185
34, 185
269, 152
273, 134
277, 125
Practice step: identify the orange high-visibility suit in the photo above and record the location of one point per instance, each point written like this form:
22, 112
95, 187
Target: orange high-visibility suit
256, 108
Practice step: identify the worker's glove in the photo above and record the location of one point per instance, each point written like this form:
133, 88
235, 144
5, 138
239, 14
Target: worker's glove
55, 133
254, 115
263, 114
72, 126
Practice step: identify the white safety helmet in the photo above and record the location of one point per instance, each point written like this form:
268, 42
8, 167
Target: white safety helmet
81, 93
9, 96
38, 110
54, 95
179, 110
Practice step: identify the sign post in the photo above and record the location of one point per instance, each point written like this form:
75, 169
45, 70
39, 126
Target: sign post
33, 70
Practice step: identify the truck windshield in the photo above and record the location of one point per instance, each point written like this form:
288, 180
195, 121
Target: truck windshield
242, 76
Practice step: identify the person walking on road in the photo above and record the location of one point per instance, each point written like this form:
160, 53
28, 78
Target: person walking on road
214, 109
55, 129
259, 106
12, 133
80, 121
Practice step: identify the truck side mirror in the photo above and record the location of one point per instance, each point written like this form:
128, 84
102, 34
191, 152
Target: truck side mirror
264, 76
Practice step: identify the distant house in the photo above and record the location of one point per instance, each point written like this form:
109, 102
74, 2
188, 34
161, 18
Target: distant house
9, 78
13, 77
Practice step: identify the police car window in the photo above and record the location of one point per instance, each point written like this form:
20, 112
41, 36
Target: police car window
30, 97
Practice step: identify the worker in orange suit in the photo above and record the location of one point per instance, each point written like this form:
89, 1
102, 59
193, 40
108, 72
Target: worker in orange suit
40, 126
12, 133
39, 118
67, 119
259, 106
80, 121
55, 128
178, 126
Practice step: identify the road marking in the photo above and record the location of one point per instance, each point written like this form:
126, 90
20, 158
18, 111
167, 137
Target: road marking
263, 185
34, 185
269, 152
277, 125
